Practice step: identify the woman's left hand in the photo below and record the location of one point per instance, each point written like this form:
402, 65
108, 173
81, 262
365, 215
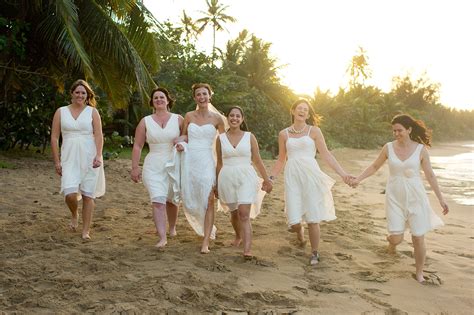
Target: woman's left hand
445, 207
97, 162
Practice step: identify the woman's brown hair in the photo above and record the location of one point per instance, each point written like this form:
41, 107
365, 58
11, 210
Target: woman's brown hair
90, 99
419, 132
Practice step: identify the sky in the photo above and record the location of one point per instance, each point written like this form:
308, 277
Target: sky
314, 40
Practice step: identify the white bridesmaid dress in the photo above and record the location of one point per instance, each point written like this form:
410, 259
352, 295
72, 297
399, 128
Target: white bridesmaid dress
308, 196
238, 181
406, 202
155, 175
78, 151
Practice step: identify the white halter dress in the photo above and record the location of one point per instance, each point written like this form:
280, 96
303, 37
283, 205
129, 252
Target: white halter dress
405, 196
78, 151
308, 196
198, 174
160, 142
238, 181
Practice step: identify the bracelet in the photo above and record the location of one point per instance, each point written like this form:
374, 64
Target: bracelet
271, 178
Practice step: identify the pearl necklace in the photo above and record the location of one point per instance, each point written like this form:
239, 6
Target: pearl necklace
293, 130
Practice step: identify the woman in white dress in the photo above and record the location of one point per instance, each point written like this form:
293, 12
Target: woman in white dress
238, 185
406, 202
308, 196
159, 130
80, 165
198, 173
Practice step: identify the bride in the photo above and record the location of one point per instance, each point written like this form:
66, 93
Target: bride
198, 173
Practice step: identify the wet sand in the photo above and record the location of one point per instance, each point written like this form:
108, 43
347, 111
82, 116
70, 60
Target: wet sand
45, 268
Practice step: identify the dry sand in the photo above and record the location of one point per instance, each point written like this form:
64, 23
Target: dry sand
45, 268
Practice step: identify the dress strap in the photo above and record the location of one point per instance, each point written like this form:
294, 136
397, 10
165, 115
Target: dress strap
287, 134
309, 130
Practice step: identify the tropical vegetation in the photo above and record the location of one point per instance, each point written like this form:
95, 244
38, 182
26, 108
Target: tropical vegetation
124, 52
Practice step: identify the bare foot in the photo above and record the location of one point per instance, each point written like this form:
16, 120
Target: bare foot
73, 224
86, 236
420, 277
391, 249
300, 236
236, 242
173, 232
161, 244
248, 256
205, 250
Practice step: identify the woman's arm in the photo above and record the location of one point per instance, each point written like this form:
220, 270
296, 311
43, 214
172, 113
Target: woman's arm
55, 132
431, 178
257, 161
98, 136
140, 137
280, 163
220, 124
184, 132
219, 159
374, 167
327, 155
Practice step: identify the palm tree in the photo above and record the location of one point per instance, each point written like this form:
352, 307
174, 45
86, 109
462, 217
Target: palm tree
216, 17
106, 41
190, 28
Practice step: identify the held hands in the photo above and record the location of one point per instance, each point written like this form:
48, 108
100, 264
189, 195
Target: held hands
97, 161
267, 186
349, 180
179, 147
136, 174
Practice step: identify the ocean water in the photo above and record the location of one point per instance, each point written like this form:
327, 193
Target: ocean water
455, 175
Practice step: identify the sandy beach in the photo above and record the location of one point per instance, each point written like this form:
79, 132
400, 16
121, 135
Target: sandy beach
45, 268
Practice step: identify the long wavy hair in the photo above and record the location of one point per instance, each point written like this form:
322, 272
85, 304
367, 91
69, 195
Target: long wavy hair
419, 132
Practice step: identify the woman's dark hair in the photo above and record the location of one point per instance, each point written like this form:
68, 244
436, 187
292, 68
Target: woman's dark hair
419, 132
243, 125
166, 93
90, 100
196, 86
313, 119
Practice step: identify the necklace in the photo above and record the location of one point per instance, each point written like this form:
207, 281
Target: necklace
293, 130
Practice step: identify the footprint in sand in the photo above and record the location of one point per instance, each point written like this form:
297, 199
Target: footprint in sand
376, 292
342, 256
370, 276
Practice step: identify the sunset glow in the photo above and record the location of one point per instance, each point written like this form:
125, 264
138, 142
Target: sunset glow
316, 40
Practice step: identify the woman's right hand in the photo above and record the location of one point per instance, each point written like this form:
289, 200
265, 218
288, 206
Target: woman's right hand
179, 147
58, 168
136, 174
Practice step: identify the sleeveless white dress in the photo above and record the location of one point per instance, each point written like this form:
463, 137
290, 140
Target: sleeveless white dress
308, 196
78, 151
198, 174
238, 181
405, 196
160, 142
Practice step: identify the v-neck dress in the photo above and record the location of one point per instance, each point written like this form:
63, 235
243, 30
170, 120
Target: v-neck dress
198, 174
406, 199
160, 142
308, 196
238, 182
78, 151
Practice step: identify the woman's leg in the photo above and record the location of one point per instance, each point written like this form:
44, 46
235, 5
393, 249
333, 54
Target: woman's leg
420, 256
159, 217
393, 241
88, 206
235, 221
72, 204
208, 223
299, 230
172, 213
245, 228
314, 236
